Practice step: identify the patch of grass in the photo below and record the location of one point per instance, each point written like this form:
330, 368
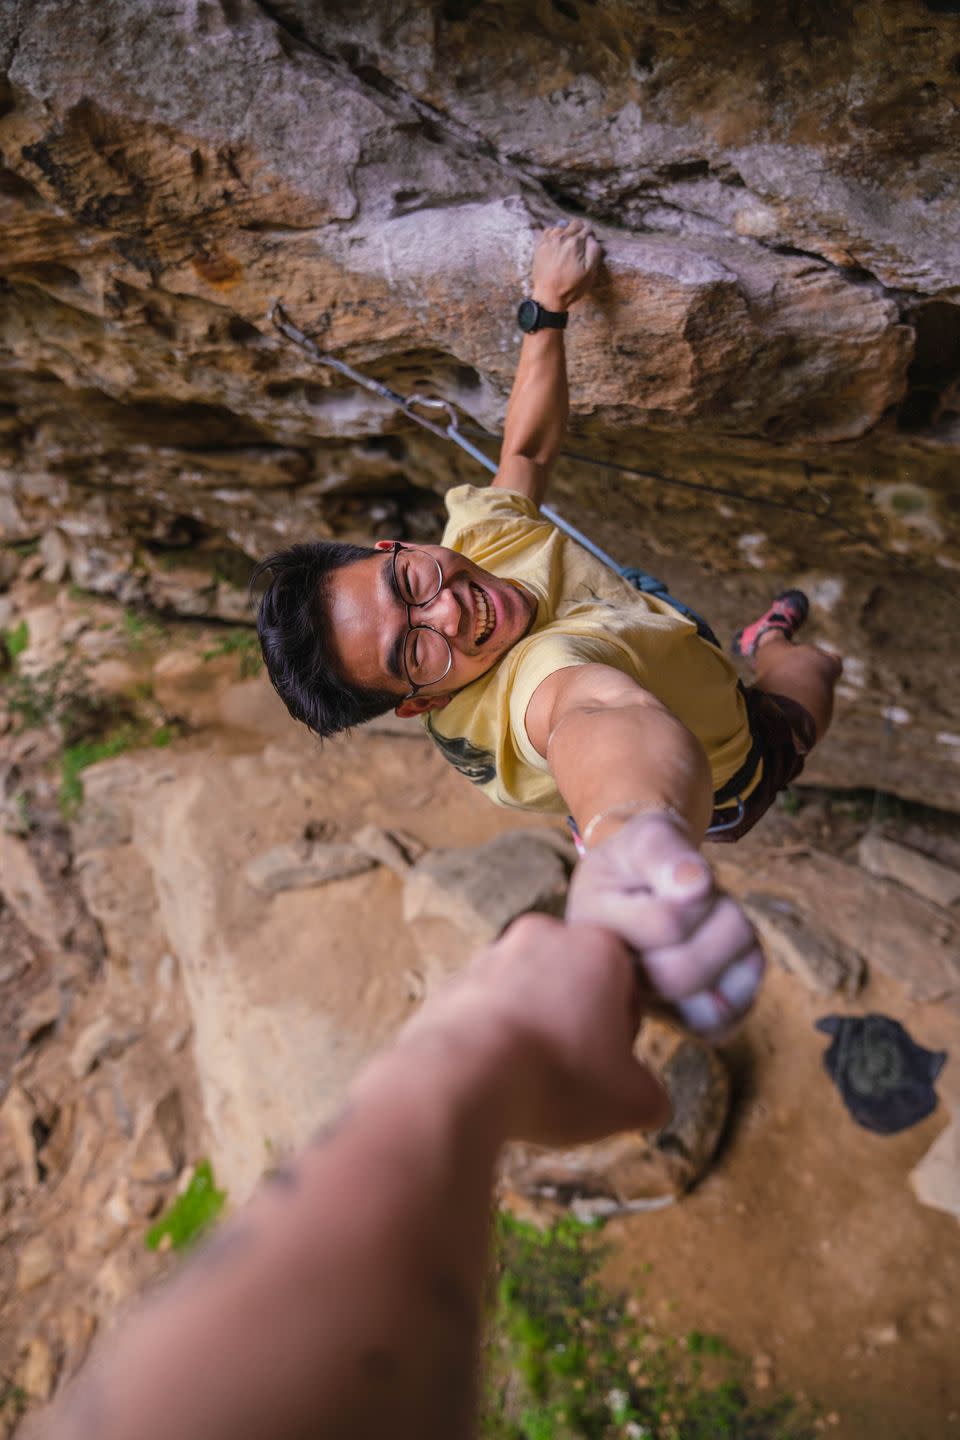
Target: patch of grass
13, 1399
74, 759
62, 695
59, 693
566, 1361
191, 1214
140, 630
700, 1344
243, 643
15, 641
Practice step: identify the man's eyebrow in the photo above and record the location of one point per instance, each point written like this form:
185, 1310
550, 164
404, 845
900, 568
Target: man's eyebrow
388, 574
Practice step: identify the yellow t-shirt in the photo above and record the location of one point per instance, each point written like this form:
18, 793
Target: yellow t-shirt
586, 614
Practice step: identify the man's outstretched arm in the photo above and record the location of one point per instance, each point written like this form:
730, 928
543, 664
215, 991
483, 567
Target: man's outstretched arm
611, 745
564, 269
617, 753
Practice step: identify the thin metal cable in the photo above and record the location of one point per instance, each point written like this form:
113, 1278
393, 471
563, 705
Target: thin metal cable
817, 514
823, 514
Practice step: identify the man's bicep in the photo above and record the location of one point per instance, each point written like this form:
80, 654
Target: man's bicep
577, 687
526, 477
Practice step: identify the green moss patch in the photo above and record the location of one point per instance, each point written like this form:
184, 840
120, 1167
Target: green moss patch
191, 1214
565, 1359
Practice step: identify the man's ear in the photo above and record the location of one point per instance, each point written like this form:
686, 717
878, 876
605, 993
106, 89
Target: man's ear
385, 544
420, 704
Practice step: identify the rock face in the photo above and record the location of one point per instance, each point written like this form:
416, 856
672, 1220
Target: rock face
777, 318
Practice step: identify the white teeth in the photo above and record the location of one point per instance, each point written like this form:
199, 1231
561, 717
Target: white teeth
485, 615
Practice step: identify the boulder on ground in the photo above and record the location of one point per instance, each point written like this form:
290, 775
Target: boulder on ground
38, 1372
97, 1040
481, 888
632, 1170
823, 963
38, 1261
18, 1113
23, 888
936, 1179
159, 1153
40, 1014
302, 864
929, 878
393, 848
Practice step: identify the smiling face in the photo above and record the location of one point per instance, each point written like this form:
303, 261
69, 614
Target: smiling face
480, 616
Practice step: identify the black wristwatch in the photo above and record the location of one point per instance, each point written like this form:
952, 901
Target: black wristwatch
532, 316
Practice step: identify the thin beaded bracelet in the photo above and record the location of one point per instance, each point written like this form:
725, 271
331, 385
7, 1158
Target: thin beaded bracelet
625, 809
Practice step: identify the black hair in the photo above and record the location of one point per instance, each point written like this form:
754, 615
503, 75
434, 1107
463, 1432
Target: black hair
293, 627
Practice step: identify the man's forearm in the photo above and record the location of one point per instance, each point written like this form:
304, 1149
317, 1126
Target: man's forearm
539, 402
611, 757
349, 1297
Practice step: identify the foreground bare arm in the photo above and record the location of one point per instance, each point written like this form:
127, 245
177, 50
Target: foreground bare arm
346, 1299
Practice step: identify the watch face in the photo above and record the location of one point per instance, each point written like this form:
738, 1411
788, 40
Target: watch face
528, 314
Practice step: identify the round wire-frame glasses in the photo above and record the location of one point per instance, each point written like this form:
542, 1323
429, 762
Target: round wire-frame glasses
409, 639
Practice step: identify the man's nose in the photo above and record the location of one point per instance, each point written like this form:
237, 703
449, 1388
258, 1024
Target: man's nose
443, 612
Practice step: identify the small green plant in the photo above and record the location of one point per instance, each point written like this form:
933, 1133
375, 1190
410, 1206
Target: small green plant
566, 1360
700, 1344
15, 641
141, 630
789, 802
243, 643
74, 759
60, 693
13, 1399
191, 1214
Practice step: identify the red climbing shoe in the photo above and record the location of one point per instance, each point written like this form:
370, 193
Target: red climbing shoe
786, 614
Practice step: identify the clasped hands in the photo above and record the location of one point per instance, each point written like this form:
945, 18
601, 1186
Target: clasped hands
550, 1012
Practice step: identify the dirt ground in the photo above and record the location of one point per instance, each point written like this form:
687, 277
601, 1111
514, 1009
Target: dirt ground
804, 1247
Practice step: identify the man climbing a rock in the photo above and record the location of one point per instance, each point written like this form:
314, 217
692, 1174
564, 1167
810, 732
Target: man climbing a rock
546, 678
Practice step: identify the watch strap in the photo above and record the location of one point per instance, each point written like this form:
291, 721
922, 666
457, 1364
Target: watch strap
543, 319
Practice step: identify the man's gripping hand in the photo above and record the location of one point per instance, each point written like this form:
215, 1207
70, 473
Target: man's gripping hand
565, 264
698, 955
